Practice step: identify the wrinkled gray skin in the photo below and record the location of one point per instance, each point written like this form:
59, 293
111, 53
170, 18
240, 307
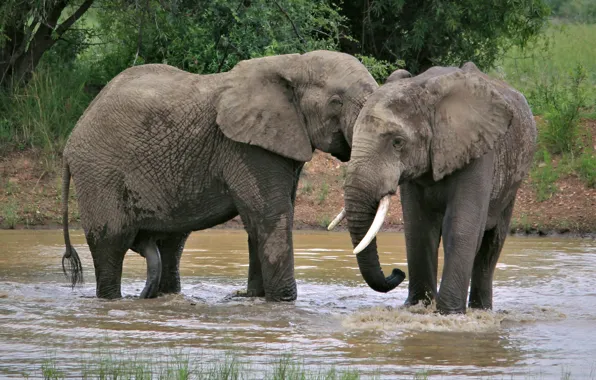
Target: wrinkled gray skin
458, 143
161, 152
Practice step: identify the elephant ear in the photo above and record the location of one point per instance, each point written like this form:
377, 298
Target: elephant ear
470, 115
257, 106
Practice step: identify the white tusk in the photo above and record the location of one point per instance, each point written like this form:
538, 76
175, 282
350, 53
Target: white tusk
376, 224
337, 219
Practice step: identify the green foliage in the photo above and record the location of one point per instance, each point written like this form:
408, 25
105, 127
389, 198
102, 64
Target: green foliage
547, 62
209, 37
586, 168
10, 214
324, 221
50, 372
544, 176
378, 68
441, 32
43, 113
107, 366
557, 74
562, 105
574, 10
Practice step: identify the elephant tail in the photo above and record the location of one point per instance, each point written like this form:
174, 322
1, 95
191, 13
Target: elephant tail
70, 258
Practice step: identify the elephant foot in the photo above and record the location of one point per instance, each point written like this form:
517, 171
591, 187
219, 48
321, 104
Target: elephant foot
109, 295
288, 294
169, 284
414, 300
248, 293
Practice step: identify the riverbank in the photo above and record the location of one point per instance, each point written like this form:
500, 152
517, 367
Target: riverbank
30, 197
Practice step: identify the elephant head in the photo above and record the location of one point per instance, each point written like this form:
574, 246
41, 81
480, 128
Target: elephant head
295, 103
415, 129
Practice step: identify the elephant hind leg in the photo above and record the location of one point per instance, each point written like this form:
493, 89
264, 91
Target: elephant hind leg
146, 245
485, 262
170, 249
108, 256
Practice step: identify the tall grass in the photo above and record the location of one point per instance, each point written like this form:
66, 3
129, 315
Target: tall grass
549, 62
557, 74
228, 367
42, 114
183, 367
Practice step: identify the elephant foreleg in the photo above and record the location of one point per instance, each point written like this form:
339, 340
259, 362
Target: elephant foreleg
277, 258
170, 249
468, 194
481, 289
423, 234
255, 286
148, 249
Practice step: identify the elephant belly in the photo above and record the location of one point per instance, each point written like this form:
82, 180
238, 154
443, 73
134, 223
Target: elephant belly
194, 215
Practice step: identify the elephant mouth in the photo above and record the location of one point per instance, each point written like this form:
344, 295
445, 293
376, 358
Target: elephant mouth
339, 147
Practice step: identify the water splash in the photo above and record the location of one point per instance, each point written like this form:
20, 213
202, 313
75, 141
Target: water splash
420, 318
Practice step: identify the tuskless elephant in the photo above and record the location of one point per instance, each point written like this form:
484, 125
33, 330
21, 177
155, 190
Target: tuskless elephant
458, 144
161, 152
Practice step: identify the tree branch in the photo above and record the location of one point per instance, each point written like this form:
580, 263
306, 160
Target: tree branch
293, 25
73, 18
140, 34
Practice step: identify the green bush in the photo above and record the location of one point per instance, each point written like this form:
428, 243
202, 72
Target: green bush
379, 68
43, 113
10, 214
562, 104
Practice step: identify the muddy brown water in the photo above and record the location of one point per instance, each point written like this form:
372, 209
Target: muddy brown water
544, 323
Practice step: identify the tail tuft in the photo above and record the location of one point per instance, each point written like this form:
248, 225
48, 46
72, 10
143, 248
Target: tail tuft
74, 272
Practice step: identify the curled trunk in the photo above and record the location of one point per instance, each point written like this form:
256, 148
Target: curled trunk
360, 211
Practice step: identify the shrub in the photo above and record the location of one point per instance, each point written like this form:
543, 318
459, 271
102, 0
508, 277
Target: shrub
43, 113
10, 214
586, 168
563, 104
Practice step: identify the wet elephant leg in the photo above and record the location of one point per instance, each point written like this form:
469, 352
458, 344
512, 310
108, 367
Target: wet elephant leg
481, 289
147, 247
423, 235
468, 194
108, 256
276, 254
170, 249
255, 286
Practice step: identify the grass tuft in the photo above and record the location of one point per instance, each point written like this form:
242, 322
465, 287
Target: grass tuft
323, 192
10, 214
543, 177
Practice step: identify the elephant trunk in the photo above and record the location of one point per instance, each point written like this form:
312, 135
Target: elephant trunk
361, 208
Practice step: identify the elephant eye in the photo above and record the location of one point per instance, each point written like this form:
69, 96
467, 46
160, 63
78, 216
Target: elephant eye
398, 143
336, 101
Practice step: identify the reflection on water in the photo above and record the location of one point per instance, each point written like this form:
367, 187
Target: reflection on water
544, 319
